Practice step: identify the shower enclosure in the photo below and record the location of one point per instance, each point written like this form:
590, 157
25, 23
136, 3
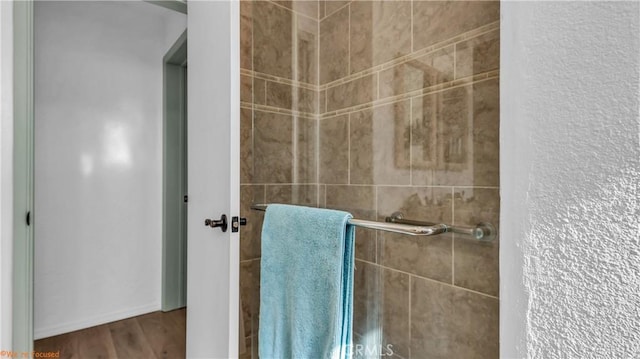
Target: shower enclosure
375, 108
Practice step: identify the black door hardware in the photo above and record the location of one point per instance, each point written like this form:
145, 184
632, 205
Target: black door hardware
29, 218
236, 222
213, 223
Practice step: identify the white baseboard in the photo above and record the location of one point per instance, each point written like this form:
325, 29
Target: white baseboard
62, 328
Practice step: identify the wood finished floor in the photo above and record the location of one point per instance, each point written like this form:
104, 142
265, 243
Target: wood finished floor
154, 335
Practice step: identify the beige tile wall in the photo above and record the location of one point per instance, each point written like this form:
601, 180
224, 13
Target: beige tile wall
376, 107
279, 127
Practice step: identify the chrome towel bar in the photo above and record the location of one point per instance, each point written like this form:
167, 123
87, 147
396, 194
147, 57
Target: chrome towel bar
397, 224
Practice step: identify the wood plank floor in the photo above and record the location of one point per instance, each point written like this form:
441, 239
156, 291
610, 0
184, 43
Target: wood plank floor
154, 335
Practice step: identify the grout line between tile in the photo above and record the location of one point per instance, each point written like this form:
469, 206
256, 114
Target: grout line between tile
324, 205
278, 79
318, 112
334, 11
282, 111
294, 102
453, 237
428, 279
264, 94
377, 251
253, 101
326, 95
397, 61
294, 12
284, 184
411, 141
467, 81
349, 41
411, 28
455, 61
409, 321
416, 54
349, 148
324, 12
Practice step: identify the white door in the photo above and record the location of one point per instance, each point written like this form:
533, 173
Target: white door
214, 179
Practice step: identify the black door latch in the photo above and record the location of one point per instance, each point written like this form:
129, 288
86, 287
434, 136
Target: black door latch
236, 222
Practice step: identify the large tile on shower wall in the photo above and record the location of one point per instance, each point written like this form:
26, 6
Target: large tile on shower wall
334, 46
424, 256
334, 150
361, 202
322, 98
330, 6
422, 72
273, 148
255, 346
426, 143
436, 21
381, 310
442, 138
246, 145
307, 46
455, 138
448, 322
251, 233
246, 35
305, 159
379, 140
255, 303
298, 194
380, 31
246, 354
248, 288
367, 306
476, 264
279, 95
259, 91
291, 97
246, 89
356, 92
272, 39
486, 133
305, 7
250, 296
479, 54
395, 309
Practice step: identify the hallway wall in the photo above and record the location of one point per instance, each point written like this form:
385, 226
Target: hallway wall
98, 200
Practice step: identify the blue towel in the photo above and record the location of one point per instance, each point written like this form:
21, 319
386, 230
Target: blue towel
306, 283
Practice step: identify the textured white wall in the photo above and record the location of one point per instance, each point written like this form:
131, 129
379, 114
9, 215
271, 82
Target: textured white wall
98, 130
570, 174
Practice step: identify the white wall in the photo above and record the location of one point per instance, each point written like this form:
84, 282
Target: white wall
570, 174
6, 173
98, 163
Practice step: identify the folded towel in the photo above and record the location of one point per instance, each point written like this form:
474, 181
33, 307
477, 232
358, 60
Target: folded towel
306, 283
